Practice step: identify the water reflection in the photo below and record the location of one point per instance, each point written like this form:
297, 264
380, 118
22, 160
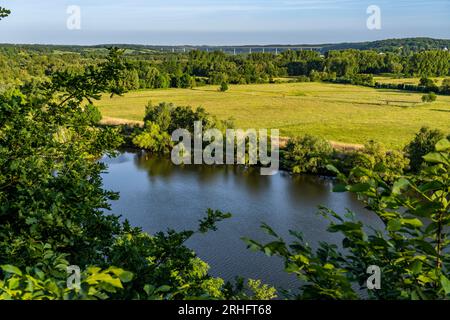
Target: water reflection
157, 195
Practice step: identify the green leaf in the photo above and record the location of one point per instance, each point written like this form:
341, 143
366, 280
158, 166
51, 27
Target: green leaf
445, 284
434, 158
149, 289
126, 276
340, 188
417, 267
412, 222
394, 225
399, 185
164, 288
443, 145
11, 269
361, 187
333, 169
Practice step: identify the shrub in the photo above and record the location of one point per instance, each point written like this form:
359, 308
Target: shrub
307, 154
160, 114
153, 139
445, 88
428, 84
303, 79
422, 144
389, 164
322, 76
356, 79
170, 117
429, 97
223, 87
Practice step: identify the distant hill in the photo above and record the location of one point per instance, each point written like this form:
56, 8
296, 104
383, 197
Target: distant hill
405, 45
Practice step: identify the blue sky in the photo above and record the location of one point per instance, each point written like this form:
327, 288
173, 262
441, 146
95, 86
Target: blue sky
220, 22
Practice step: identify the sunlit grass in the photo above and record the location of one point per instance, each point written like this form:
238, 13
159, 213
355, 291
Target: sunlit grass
344, 113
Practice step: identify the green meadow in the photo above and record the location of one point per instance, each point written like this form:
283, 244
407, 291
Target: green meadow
342, 113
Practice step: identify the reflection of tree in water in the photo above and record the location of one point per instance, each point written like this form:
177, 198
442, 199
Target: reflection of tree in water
121, 158
309, 187
162, 168
156, 167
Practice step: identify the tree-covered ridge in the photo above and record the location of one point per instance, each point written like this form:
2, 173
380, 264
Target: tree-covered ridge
403, 45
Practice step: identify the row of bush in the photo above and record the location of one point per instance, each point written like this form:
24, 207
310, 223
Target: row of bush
310, 154
425, 85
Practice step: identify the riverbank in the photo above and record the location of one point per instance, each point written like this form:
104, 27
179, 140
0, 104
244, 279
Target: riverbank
338, 146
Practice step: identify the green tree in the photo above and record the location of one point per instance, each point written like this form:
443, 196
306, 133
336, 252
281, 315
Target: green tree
307, 154
153, 139
422, 144
390, 164
445, 88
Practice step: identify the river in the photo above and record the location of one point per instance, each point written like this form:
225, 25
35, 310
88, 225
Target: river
156, 195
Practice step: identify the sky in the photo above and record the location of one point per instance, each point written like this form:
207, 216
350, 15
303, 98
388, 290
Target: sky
221, 22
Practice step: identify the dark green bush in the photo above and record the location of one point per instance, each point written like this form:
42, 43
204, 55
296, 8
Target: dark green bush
223, 87
429, 97
307, 154
422, 144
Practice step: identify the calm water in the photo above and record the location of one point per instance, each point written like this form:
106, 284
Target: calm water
157, 195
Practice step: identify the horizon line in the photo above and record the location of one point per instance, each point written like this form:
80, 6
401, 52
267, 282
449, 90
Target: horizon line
275, 45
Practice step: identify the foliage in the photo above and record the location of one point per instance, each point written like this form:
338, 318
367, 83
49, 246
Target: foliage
261, 291
422, 144
95, 284
429, 97
153, 139
411, 249
375, 157
428, 84
357, 79
223, 87
307, 154
170, 117
445, 88
4, 13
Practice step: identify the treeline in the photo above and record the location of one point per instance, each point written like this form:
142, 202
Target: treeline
425, 85
404, 46
197, 68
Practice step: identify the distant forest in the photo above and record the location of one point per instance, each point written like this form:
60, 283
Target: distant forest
149, 68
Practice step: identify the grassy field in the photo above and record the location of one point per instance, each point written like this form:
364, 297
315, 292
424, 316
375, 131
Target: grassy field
413, 81
343, 113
